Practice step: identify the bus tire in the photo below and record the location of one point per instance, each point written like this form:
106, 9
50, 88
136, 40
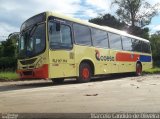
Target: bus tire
85, 73
138, 69
58, 80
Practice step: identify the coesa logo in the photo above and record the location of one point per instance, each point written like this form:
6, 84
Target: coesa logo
100, 57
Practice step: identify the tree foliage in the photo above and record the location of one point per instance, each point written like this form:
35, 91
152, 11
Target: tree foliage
8, 48
108, 20
138, 31
136, 12
155, 44
8, 53
111, 21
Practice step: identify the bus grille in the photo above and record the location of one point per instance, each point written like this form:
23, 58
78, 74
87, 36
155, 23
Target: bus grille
27, 73
30, 61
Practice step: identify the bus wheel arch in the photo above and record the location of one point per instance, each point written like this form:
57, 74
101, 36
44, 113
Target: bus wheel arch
86, 71
139, 68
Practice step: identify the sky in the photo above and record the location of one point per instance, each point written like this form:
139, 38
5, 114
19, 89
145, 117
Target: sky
14, 12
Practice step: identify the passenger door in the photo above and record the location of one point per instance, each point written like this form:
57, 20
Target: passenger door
61, 53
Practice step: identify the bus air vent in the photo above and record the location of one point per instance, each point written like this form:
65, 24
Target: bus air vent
27, 73
31, 67
30, 61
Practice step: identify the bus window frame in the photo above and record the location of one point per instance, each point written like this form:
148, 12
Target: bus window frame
120, 39
146, 43
127, 39
45, 29
61, 23
90, 35
108, 47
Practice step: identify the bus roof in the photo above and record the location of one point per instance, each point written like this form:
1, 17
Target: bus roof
106, 28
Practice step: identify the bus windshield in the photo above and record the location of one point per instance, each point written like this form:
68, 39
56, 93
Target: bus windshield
32, 41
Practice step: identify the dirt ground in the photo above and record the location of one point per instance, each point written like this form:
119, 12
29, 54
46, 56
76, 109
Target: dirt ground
120, 93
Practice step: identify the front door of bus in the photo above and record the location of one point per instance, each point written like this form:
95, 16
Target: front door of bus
61, 53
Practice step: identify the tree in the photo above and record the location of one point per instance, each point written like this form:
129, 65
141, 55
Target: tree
135, 12
1, 50
155, 43
8, 49
8, 53
138, 31
111, 21
108, 20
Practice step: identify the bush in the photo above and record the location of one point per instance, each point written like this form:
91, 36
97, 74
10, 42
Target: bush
155, 70
8, 64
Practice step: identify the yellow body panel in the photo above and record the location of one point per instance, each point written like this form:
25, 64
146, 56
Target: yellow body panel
66, 63
62, 63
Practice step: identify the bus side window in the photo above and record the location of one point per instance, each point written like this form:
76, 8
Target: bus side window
149, 47
127, 43
136, 45
115, 41
100, 38
59, 36
145, 47
54, 33
22, 44
82, 34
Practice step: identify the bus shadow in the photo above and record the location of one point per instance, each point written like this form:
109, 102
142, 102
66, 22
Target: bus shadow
39, 84
112, 77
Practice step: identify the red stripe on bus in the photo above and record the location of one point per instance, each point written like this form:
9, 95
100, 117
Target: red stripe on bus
127, 57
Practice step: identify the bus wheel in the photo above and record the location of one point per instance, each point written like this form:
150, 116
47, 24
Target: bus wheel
138, 69
58, 80
84, 73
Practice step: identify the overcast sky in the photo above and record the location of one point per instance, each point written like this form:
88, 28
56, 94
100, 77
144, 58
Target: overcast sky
14, 12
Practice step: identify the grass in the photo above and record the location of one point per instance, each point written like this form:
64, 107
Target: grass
154, 70
8, 76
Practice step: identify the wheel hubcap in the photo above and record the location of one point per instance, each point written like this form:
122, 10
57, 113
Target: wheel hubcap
85, 73
139, 70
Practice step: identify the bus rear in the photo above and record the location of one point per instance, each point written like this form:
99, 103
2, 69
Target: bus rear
33, 54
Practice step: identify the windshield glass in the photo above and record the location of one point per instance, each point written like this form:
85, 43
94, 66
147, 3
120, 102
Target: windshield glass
32, 41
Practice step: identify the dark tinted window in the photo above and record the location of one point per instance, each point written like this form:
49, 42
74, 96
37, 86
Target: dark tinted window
115, 41
99, 38
127, 43
145, 47
136, 45
59, 36
32, 41
82, 34
37, 39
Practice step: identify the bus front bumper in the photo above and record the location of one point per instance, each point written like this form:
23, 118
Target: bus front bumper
38, 73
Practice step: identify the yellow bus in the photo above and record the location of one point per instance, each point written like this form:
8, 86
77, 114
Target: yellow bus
54, 46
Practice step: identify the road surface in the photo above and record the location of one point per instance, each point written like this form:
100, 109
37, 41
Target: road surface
110, 94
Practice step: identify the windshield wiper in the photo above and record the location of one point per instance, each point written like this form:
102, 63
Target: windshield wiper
31, 31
